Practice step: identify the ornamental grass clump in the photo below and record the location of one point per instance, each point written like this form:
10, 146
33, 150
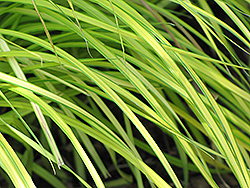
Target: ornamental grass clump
109, 93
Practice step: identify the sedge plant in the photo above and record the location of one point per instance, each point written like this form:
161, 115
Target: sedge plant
92, 89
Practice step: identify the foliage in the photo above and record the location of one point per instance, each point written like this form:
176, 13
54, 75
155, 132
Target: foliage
90, 85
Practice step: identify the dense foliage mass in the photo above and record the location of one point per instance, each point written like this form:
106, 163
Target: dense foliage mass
133, 93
